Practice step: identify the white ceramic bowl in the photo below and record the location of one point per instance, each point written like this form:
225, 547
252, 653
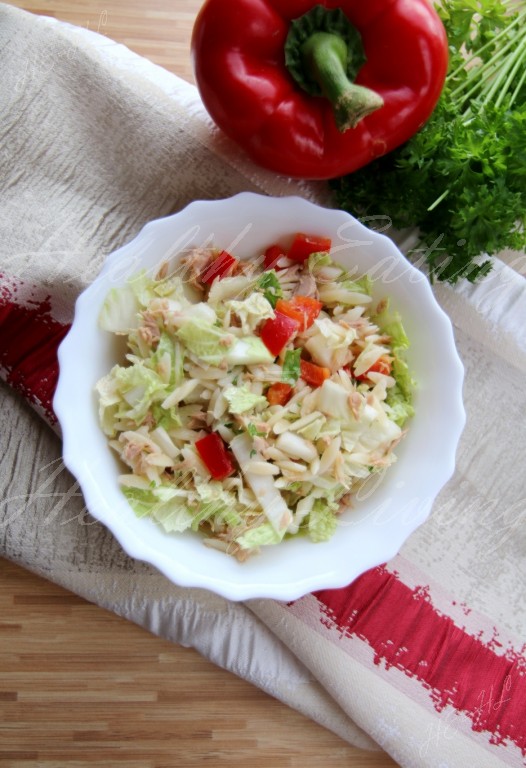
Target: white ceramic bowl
383, 518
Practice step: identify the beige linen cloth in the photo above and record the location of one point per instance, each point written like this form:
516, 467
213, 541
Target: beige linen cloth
424, 655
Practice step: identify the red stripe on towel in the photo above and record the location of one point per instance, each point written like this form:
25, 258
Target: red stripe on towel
405, 631
29, 340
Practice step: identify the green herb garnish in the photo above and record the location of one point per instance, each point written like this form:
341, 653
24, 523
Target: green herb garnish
462, 178
291, 367
270, 286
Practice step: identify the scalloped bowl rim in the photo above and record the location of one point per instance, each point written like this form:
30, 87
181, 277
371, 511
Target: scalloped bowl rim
382, 521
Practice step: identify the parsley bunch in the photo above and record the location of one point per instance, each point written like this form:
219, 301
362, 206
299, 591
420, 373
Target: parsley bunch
462, 178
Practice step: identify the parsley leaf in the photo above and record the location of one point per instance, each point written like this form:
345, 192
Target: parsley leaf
462, 178
291, 366
271, 287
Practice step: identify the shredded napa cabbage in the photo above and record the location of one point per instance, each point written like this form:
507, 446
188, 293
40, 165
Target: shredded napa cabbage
194, 368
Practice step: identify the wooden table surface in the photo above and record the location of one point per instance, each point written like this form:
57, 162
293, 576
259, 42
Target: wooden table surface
81, 687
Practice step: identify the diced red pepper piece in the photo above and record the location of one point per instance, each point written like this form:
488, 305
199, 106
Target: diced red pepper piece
277, 331
272, 255
303, 245
279, 393
304, 309
382, 365
221, 266
313, 374
214, 454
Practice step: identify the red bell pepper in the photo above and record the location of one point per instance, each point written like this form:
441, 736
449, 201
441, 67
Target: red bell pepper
303, 309
215, 456
272, 256
313, 374
304, 245
382, 365
261, 68
277, 331
279, 393
221, 266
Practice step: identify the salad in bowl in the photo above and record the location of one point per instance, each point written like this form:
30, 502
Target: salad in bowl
252, 397
257, 396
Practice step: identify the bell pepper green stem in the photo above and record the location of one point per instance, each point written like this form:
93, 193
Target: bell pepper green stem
325, 57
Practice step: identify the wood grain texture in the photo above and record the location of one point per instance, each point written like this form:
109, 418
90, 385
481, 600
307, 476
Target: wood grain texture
160, 30
82, 687
78, 685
